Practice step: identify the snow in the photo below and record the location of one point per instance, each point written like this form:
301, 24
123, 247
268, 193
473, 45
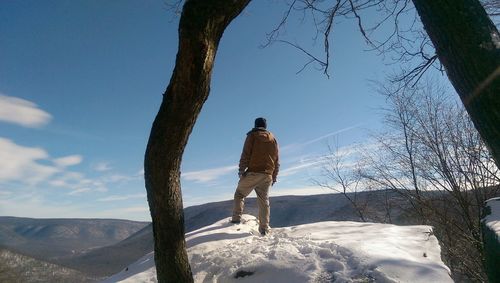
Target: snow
329, 251
496, 39
493, 220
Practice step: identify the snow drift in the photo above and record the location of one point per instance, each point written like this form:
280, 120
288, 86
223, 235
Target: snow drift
318, 252
492, 220
491, 238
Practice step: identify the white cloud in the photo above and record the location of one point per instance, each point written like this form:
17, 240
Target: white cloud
78, 183
19, 163
204, 176
122, 197
22, 112
69, 180
33, 205
68, 160
33, 165
102, 167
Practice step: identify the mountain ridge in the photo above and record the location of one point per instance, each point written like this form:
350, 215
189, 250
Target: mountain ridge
51, 238
285, 211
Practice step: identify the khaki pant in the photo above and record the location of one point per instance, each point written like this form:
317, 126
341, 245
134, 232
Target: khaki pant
261, 183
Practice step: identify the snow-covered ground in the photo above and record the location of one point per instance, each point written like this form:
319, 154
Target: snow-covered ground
493, 220
318, 252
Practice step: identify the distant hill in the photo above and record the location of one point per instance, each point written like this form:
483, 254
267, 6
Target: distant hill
15, 267
107, 260
50, 239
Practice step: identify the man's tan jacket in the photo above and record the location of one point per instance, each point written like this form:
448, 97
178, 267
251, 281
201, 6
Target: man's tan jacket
260, 153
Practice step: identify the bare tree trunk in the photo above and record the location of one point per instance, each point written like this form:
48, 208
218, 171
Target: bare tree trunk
201, 26
468, 45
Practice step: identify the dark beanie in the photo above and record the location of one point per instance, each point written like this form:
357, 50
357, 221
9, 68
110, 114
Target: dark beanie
260, 123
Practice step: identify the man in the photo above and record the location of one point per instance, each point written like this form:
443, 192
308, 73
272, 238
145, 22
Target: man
258, 169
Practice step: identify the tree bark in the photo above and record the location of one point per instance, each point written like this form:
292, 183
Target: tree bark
468, 45
201, 26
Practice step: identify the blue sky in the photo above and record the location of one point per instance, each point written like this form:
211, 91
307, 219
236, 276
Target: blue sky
81, 82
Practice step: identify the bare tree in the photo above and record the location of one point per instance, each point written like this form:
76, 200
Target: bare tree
201, 26
432, 155
338, 177
456, 33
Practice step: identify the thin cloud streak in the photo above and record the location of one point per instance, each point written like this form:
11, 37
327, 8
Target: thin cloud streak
140, 173
70, 160
331, 134
301, 191
5, 194
102, 167
314, 163
208, 175
348, 154
122, 197
294, 146
79, 191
